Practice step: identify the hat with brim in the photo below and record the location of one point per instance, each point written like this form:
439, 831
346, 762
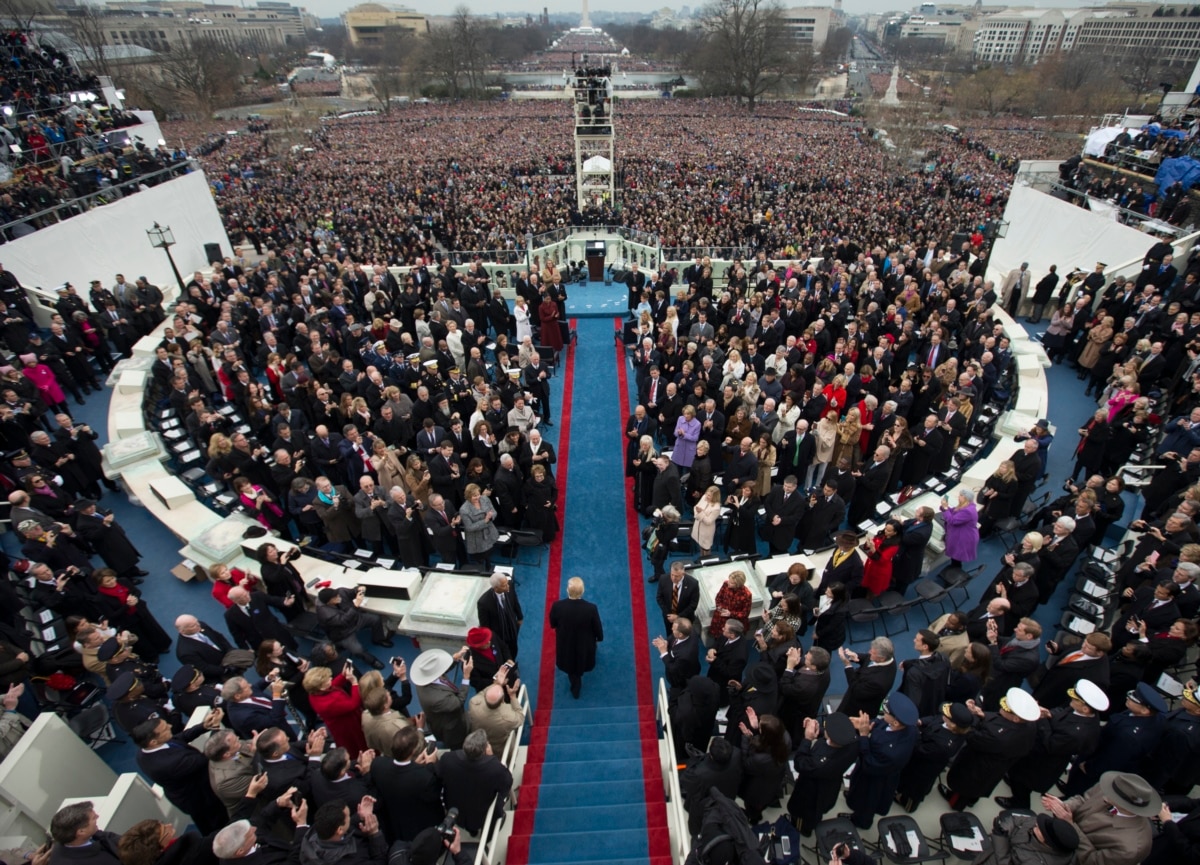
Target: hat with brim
1146, 695
479, 638
429, 665
839, 729
108, 649
120, 687
1090, 694
1022, 704
902, 708
1131, 793
958, 714
183, 678
1058, 833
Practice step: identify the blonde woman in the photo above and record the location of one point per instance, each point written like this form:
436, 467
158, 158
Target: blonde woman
387, 466
765, 451
750, 392
996, 497
733, 370
521, 314
672, 321
848, 435
704, 519
826, 432
417, 479
733, 601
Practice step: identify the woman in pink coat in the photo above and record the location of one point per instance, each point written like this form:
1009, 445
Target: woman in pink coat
47, 385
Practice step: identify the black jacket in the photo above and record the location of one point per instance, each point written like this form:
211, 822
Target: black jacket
866, 688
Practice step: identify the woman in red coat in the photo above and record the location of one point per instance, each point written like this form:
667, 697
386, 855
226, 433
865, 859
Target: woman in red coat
337, 703
732, 602
881, 551
551, 333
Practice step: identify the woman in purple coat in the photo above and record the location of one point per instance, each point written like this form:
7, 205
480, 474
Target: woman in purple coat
962, 528
687, 433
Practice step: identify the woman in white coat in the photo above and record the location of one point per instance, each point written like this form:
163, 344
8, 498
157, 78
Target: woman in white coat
521, 314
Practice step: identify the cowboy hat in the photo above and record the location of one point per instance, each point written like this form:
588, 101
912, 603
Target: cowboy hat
429, 665
1131, 793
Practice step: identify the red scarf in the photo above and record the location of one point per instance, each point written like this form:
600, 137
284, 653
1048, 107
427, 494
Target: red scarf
118, 591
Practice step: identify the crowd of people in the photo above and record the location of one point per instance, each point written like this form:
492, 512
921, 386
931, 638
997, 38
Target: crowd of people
810, 404
405, 415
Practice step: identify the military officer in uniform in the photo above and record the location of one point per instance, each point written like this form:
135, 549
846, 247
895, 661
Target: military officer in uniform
1065, 735
1174, 765
885, 746
821, 759
995, 743
131, 706
189, 691
1126, 740
939, 739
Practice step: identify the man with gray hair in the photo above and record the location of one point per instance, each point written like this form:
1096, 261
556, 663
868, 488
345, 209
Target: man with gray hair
1058, 553
868, 680
230, 767
249, 708
241, 841
472, 779
507, 492
500, 611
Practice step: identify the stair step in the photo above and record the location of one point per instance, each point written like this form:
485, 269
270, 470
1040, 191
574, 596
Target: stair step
600, 846
573, 715
628, 815
567, 752
580, 794
561, 772
579, 733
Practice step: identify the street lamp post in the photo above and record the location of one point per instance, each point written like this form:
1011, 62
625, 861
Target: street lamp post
162, 238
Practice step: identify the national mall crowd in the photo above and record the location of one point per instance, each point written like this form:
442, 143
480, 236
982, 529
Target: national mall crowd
381, 416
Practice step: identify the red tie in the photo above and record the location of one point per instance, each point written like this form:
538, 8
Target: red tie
653, 391
932, 356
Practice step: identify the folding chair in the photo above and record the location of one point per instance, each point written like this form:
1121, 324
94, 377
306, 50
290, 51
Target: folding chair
963, 835
860, 611
524, 538
902, 842
931, 592
901, 609
830, 833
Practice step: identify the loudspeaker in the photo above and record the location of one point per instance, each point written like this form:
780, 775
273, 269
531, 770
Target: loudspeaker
959, 239
212, 252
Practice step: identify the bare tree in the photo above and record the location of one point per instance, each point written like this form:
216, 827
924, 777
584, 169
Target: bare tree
22, 13
203, 74
86, 29
746, 50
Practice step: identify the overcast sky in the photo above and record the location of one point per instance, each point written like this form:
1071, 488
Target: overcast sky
332, 8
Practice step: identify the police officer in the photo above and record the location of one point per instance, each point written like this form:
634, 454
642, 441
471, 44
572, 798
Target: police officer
1064, 735
995, 743
408, 376
189, 691
821, 760
940, 738
131, 706
120, 658
885, 746
1174, 765
1125, 741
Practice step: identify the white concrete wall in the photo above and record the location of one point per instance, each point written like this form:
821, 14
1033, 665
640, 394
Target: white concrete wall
112, 239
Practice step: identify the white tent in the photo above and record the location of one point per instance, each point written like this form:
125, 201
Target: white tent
1098, 139
597, 163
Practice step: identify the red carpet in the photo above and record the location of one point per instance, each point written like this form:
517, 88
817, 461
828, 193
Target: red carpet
527, 805
656, 812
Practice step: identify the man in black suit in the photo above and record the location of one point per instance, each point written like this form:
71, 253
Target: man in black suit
355, 452
914, 537
784, 506
325, 448
1155, 607
536, 451
826, 510
249, 708
442, 522
727, 659
678, 596
1012, 661
845, 565
924, 677
182, 771
78, 840
796, 450
205, 649
472, 779
1028, 466
979, 620
1065, 667
1017, 587
680, 655
408, 785
666, 489
535, 378
500, 611
871, 485
250, 621
287, 764
240, 841
870, 682
577, 630
741, 466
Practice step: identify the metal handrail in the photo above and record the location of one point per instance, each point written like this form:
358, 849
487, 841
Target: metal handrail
514, 760
82, 204
1045, 182
676, 814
